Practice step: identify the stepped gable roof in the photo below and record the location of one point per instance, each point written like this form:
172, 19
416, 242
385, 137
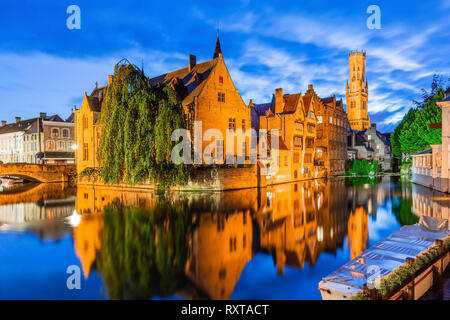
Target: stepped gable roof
187, 83
338, 104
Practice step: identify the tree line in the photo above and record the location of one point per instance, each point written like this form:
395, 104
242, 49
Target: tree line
413, 134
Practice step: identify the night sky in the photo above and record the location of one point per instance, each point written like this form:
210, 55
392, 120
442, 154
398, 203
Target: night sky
46, 67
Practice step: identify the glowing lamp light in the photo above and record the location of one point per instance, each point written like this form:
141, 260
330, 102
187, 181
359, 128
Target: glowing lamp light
74, 219
75, 147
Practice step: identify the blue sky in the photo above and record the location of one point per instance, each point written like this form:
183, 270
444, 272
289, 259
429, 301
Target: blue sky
266, 44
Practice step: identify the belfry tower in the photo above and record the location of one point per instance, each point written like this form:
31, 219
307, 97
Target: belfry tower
357, 92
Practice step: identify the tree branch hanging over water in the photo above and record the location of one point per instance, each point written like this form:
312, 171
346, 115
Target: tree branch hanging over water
137, 120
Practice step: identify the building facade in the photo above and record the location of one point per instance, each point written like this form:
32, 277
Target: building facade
332, 127
294, 117
357, 92
45, 139
212, 104
381, 145
431, 167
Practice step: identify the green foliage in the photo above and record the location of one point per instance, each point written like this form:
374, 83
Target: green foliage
362, 168
402, 206
137, 122
90, 173
144, 252
413, 134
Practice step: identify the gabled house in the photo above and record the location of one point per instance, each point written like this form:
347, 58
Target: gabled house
210, 100
293, 115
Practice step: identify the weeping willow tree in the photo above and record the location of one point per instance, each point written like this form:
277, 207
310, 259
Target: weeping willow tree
144, 251
137, 122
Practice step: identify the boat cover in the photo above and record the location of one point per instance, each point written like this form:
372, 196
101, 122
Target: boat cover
385, 256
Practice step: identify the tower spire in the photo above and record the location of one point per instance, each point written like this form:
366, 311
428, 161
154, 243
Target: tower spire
217, 50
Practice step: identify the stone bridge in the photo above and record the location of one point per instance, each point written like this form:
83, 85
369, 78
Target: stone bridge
37, 172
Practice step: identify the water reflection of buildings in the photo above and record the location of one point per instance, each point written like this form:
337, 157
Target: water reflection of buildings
39, 208
429, 202
294, 223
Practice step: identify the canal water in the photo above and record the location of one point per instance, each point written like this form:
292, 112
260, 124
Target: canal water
272, 243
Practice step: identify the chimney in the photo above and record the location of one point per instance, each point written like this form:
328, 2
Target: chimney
251, 104
192, 61
17, 119
279, 101
3, 123
42, 115
110, 79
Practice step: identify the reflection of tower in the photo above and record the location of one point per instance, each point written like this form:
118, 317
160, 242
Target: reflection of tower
86, 237
357, 92
358, 232
221, 248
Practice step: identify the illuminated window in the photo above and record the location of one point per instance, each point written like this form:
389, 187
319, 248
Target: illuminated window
50, 145
220, 79
55, 133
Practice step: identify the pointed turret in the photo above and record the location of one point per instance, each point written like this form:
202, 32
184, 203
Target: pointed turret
218, 50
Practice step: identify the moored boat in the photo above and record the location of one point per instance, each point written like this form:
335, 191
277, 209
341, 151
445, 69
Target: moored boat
380, 260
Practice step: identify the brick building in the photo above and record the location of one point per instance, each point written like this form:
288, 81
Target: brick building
331, 138
293, 115
208, 95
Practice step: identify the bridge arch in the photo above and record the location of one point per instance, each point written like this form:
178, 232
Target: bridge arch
37, 172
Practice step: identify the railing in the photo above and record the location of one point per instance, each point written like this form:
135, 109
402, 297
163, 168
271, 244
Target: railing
407, 286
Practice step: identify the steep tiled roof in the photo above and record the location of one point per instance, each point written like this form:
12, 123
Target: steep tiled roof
327, 99
71, 118
291, 102
307, 102
188, 84
29, 125
24, 125
94, 103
